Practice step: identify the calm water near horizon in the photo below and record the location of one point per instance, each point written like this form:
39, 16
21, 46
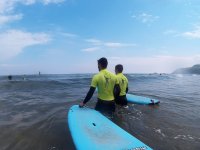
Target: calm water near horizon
33, 112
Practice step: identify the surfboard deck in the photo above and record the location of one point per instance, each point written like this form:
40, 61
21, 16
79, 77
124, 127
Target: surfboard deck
141, 100
91, 130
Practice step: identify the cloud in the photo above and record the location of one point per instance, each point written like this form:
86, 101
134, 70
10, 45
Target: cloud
14, 42
162, 63
7, 7
69, 35
46, 2
117, 45
195, 34
103, 45
6, 12
91, 49
94, 41
146, 18
9, 18
113, 44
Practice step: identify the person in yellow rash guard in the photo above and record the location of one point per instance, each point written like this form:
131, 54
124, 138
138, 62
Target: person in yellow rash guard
107, 85
123, 83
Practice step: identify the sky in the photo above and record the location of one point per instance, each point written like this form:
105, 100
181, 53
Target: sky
69, 36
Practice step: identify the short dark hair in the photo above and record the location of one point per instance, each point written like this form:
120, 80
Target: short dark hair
103, 62
119, 68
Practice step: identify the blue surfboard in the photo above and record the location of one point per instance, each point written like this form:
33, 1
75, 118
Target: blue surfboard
141, 100
91, 130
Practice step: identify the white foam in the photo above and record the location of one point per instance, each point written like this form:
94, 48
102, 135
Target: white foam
185, 137
160, 132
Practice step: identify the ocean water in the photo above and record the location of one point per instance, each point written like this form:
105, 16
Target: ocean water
33, 112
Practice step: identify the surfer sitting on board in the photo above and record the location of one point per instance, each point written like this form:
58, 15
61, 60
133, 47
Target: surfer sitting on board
123, 83
107, 85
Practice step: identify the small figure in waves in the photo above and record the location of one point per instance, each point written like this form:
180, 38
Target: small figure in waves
9, 77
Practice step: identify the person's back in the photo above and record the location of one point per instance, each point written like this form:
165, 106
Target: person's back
123, 83
105, 82
107, 85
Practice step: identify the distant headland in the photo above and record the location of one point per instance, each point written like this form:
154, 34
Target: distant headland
190, 70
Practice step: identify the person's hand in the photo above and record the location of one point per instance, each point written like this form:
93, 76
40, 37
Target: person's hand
81, 104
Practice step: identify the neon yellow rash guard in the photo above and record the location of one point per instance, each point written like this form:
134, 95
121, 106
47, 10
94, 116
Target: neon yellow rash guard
105, 81
123, 83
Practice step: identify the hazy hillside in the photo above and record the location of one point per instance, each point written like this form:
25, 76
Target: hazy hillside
191, 70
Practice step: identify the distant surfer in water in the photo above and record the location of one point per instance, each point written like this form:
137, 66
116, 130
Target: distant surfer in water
9, 77
107, 85
123, 83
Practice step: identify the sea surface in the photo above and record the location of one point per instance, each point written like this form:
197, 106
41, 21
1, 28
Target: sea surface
33, 111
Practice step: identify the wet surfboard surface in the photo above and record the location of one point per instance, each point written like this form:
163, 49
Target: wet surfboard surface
141, 100
91, 130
